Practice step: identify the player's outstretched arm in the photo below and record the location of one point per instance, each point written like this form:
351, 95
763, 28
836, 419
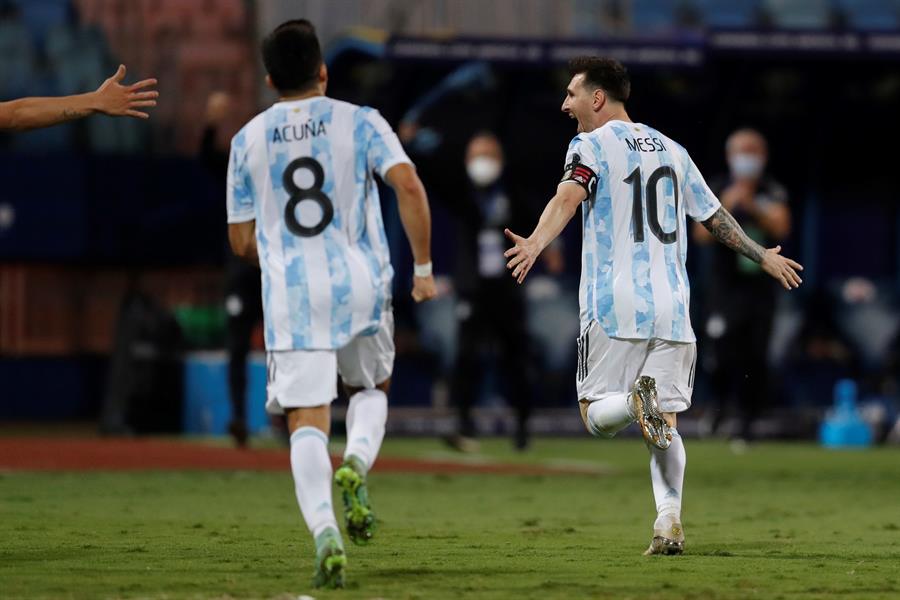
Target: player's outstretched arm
111, 98
724, 228
557, 214
416, 218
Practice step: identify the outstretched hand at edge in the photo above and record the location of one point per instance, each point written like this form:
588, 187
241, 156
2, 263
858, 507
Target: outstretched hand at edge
120, 100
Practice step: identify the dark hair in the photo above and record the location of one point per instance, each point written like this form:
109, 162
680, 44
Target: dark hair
292, 56
605, 73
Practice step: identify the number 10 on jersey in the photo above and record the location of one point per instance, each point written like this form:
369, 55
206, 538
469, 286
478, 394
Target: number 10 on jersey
637, 216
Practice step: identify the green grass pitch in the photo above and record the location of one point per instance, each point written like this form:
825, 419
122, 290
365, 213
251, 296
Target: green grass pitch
782, 521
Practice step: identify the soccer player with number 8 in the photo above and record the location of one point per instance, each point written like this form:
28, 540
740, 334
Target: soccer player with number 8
303, 202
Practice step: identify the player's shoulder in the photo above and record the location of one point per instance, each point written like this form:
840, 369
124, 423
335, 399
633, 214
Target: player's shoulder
341, 106
673, 147
670, 144
245, 135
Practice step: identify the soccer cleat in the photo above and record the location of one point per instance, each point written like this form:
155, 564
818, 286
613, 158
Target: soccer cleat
668, 540
330, 560
351, 478
645, 405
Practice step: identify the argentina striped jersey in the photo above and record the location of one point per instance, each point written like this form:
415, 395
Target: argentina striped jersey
303, 170
642, 186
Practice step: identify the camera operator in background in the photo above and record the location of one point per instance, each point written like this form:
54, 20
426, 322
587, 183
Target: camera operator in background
740, 302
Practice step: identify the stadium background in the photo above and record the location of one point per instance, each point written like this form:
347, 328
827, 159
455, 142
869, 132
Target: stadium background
92, 209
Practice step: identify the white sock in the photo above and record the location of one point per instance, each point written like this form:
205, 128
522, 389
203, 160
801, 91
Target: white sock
366, 418
311, 466
609, 416
667, 475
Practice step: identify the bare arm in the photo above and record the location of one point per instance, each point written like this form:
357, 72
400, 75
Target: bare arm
726, 230
557, 214
415, 215
242, 237
110, 98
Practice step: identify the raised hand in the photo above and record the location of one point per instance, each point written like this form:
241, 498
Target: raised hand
781, 268
522, 256
119, 100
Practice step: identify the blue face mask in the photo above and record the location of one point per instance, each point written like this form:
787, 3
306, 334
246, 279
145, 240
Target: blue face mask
746, 166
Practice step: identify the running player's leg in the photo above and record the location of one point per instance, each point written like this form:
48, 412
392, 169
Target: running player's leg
607, 369
671, 365
365, 366
302, 384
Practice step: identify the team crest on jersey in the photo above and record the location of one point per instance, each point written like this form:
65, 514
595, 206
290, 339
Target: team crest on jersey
580, 174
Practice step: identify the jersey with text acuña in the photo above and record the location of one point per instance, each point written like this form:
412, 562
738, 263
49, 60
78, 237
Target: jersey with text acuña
303, 170
640, 186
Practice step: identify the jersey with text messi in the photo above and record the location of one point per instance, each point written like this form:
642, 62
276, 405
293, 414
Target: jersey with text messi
641, 185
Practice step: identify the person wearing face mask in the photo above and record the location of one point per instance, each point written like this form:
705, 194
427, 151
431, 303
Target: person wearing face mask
740, 305
490, 309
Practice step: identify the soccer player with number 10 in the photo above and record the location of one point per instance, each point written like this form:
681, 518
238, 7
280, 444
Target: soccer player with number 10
636, 351
302, 200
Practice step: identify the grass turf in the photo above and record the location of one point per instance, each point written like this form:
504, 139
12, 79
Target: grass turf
782, 521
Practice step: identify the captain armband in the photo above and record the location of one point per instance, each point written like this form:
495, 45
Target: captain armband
579, 173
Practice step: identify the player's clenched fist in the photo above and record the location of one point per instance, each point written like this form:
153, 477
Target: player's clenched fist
424, 288
123, 100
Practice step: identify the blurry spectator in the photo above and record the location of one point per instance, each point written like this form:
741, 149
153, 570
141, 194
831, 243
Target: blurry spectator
741, 299
243, 294
490, 309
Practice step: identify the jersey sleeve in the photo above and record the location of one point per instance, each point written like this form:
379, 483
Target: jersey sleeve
582, 165
383, 148
240, 195
699, 201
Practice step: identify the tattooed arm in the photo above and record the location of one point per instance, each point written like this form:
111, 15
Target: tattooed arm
724, 228
110, 98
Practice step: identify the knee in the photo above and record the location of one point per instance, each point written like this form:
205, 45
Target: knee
593, 429
601, 432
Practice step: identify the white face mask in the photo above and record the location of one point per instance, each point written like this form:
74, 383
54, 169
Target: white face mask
483, 170
746, 166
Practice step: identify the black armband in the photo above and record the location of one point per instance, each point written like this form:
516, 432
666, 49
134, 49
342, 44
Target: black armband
581, 174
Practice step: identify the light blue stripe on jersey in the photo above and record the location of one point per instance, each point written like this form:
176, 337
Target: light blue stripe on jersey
243, 192
248, 192
603, 295
296, 279
682, 253
644, 311
338, 269
671, 254
363, 134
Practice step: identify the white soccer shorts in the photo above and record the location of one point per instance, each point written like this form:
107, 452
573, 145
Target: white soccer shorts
608, 366
307, 378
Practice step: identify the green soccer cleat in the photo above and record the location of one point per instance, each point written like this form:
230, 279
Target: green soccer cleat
351, 478
646, 412
330, 560
668, 540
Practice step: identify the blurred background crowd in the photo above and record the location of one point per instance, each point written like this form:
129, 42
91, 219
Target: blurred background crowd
120, 303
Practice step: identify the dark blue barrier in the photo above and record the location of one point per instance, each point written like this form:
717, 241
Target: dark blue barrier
140, 211
51, 389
